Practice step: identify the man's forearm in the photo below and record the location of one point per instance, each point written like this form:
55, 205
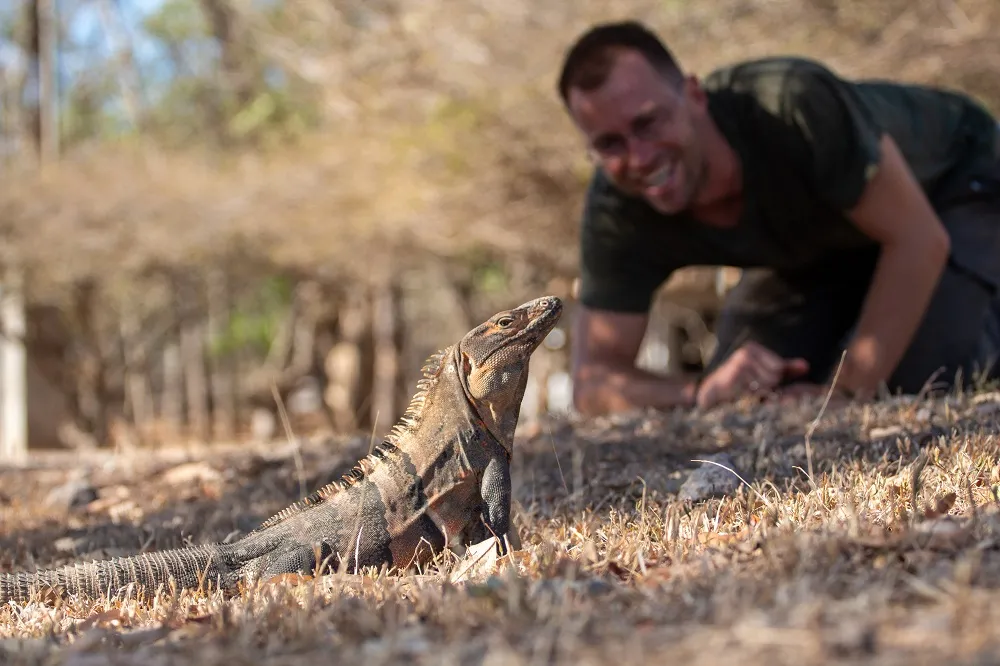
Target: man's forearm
600, 390
902, 286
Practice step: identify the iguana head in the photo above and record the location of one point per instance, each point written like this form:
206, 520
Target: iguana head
494, 361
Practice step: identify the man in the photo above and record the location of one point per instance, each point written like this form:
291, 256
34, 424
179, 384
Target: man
866, 216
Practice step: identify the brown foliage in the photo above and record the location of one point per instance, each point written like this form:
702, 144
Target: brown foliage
443, 133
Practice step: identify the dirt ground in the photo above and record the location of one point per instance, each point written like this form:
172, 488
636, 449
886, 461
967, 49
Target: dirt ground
869, 535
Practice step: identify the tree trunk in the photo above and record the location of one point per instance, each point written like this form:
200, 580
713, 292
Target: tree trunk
127, 71
41, 47
12, 82
343, 365
13, 360
32, 48
172, 394
48, 100
89, 365
192, 350
222, 366
192, 356
238, 77
385, 338
136, 374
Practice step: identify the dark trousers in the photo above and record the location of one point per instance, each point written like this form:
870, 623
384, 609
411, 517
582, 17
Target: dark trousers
814, 316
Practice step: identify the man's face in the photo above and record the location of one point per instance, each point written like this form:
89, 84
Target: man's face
643, 130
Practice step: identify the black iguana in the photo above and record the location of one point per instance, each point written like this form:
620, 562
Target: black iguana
441, 475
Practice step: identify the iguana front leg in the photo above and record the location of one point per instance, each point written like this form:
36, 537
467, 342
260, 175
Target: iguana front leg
495, 490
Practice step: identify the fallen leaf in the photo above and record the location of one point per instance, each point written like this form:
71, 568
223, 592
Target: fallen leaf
292, 579
191, 473
941, 506
618, 570
479, 559
111, 617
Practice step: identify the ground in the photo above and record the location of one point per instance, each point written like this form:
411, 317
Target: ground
825, 551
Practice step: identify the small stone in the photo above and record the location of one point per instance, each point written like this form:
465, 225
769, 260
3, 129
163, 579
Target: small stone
263, 425
194, 472
886, 432
66, 544
596, 587
72, 494
711, 480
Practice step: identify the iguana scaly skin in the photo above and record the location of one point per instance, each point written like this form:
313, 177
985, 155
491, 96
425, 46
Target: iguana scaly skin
441, 476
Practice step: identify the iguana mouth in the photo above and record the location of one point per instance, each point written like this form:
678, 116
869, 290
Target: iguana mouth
551, 309
543, 313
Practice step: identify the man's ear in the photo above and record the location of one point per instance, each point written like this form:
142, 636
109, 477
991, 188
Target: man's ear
694, 92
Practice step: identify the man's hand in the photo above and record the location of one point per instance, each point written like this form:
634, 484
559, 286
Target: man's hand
751, 368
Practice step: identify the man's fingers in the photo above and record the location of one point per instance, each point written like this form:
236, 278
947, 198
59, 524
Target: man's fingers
759, 374
769, 367
769, 361
795, 367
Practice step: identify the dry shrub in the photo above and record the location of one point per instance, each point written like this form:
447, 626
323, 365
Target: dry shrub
444, 133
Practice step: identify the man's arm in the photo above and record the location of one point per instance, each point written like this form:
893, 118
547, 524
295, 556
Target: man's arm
894, 211
847, 144
605, 379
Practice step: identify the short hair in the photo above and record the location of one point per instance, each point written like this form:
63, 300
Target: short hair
589, 60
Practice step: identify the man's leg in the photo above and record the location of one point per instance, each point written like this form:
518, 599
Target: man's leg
961, 329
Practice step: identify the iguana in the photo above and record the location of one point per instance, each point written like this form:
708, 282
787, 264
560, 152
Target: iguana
440, 476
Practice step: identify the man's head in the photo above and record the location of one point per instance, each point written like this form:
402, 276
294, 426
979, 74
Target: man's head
641, 116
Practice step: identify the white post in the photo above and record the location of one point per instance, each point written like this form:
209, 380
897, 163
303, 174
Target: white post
13, 365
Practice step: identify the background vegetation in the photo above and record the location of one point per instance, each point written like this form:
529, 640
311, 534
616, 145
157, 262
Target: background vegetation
208, 197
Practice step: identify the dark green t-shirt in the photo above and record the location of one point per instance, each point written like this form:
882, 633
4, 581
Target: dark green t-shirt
809, 142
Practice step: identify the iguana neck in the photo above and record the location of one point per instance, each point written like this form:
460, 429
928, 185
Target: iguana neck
440, 410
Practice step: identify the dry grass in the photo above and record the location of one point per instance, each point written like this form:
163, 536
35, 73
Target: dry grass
844, 566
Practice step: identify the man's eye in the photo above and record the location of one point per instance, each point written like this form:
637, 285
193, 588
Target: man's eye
605, 146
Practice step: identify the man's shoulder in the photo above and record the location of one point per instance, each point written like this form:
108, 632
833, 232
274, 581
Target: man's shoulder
775, 68
781, 84
775, 83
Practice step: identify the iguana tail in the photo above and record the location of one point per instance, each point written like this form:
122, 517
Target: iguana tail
188, 568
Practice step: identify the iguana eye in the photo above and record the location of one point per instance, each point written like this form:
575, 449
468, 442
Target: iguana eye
504, 322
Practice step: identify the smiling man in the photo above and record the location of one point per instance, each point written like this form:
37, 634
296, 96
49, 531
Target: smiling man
866, 216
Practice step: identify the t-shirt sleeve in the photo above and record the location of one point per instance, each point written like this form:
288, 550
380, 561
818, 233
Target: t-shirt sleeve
614, 275
841, 133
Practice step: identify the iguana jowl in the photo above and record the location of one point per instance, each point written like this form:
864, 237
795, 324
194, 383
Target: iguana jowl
441, 475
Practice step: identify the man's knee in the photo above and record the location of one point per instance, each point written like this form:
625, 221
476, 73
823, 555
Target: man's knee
957, 339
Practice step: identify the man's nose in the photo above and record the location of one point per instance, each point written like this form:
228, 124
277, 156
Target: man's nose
641, 153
